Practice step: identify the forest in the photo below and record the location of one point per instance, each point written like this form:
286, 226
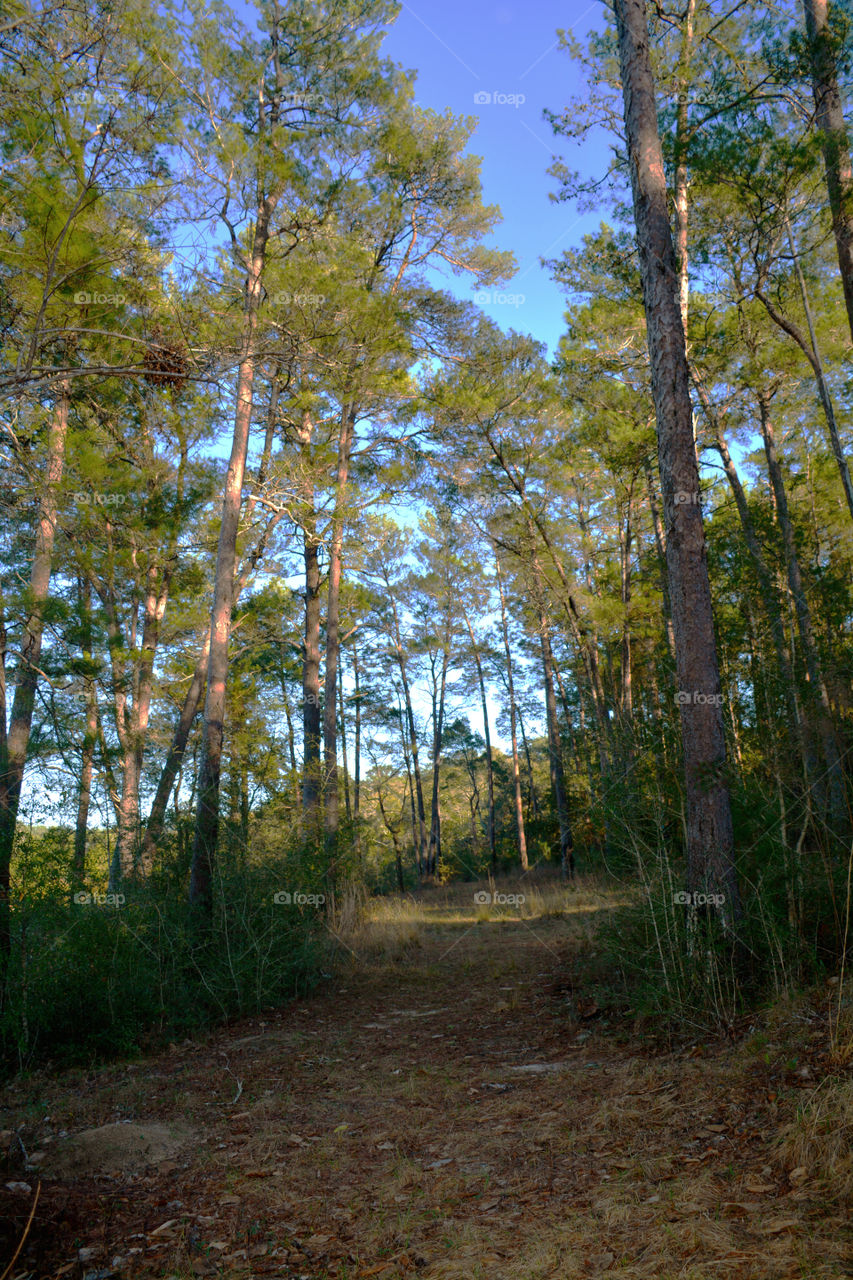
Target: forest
321, 590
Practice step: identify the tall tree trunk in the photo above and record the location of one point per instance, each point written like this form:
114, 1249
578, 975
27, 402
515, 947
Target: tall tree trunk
555, 746
434, 851
344, 750
829, 118
14, 756
244, 802
288, 715
132, 720
490, 778
817, 685
404, 739
90, 739
311, 768
213, 728
192, 700
811, 351
392, 831
660, 543
533, 798
820, 377
516, 771
710, 838
769, 594
174, 758
626, 693
333, 610
356, 781
682, 181
400, 655
567, 715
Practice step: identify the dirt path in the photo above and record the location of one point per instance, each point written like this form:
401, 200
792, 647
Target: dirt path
447, 1107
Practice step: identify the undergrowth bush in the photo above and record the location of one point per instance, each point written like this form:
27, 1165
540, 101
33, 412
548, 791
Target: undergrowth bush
688, 971
89, 980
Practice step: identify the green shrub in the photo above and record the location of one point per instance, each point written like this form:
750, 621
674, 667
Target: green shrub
89, 981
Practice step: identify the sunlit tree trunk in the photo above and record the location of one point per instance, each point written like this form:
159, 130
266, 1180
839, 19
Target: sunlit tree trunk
490, 779
16, 741
311, 768
90, 740
132, 718
213, 728
434, 850
829, 118
343, 723
710, 839
356, 780
682, 182
516, 771
333, 609
555, 746
770, 598
805, 628
400, 655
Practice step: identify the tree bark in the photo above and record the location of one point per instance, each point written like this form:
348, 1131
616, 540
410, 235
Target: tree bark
180, 736
434, 850
311, 767
829, 117
516, 771
342, 716
534, 800
213, 729
14, 757
812, 354
817, 685
392, 831
769, 594
710, 838
626, 691
132, 714
400, 655
288, 716
555, 746
90, 739
356, 781
404, 739
333, 610
660, 543
682, 180
820, 377
490, 779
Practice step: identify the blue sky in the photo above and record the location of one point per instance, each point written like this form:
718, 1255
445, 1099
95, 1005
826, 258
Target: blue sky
509, 51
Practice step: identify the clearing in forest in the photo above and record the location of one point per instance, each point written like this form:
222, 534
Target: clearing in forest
458, 1100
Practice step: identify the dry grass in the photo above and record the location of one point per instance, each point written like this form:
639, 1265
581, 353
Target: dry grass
818, 1144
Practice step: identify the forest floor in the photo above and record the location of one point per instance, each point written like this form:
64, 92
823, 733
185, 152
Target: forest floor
457, 1101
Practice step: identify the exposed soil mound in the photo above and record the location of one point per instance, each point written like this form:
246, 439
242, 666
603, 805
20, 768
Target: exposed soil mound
114, 1148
